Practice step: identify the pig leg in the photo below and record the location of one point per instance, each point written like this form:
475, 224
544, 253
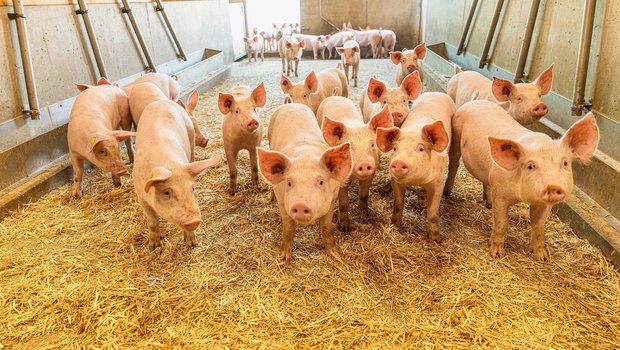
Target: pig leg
363, 194
78, 173
485, 196
254, 166
152, 220
399, 203
327, 230
199, 138
288, 234
296, 67
500, 226
433, 198
116, 180
126, 125
231, 159
453, 167
315, 53
346, 71
538, 217
190, 239
356, 68
262, 55
343, 209
283, 66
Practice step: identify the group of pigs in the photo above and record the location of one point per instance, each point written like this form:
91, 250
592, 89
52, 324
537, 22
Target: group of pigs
320, 142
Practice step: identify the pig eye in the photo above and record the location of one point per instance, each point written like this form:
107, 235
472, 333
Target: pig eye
236, 111
321, 182
531, 166
103, 152
193, 188
566, 163
384, 102
394, 148
305, 95
519, 98
404, 100
256, 109
372, 145
167, 193
420, 148
290, 183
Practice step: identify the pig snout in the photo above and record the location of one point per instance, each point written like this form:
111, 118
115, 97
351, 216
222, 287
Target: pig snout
253, 125
364, 170
398, 118
301, 212
540, 110
410, 68
399, 168
191, 224
120, 171
553, 193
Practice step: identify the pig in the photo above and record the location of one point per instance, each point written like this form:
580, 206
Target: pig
289, 51
418, 155
522, 101
408, 61
377, 94
370, 39
341, 123
315, 42
241, 127
350, 53
294, 28
102, 81
388, 42
93, 135
168, 85
254, 46
516, 165
192, 101
269, 39
165, 171
316, 87
338, 39
278, 32
304, 172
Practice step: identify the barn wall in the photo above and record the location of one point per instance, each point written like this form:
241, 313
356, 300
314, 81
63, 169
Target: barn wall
400, 16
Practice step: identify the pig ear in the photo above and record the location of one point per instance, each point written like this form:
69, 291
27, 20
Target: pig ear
376, 88
412, 85
333, 131
158, 174
259, 96
81, 87
245, 40
255, 39
386, 137
457, 69
196, 168
544, 80
122, 135
103, 81
395, 57
437, 135
272, 165
312, 82
338, 161
340, 50
288, 44
327, 37
94, 139
356, 48
192, 102
336, 91
180, 103
420, 51
505, 153
285, 84
501, 89
302, 43
224, 102
383, 119
582, 138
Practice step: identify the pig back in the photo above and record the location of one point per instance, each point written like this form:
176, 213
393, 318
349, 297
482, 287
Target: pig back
97, 107
466, 83
331, 78
432, 106
293, 127
338, 108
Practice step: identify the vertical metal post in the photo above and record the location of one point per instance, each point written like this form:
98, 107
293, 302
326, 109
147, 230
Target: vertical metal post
484, 59
145, 50
160, 8
585, 43
470, 17
527, 40
24, 50
92, 37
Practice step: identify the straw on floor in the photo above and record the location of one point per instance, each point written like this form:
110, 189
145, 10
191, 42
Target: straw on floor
77, 273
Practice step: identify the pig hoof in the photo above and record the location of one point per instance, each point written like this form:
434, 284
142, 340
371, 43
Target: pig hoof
447, 193
77, 194
232, 191
497, 250
344, 227
488, 205
331, 250
202, 142
191, 244
286, 256
541, 254
154, 245
396, 221
434, 236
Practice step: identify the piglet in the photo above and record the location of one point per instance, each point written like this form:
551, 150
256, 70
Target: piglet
516, 165
167, 84
304, 171
377, 94
241, 127
408, 61
522, 101
342, 123
337, 40
93, 134
316, 42
165, 171
255, 46
350, 53
290, 50
316, 87
190, 107
418, 155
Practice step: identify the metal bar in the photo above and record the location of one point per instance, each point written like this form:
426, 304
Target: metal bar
527, 40
584, 57
160, 8
92, 37
24, 50
145, 50
484, 59
470, 17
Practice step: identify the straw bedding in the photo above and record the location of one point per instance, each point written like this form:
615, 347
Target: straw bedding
78, 273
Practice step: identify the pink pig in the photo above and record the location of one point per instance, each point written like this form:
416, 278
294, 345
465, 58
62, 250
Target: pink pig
316, 87
165, 171
290, 50
93, 133
377, 94
408, 61
304, 171
517, 165
167, 84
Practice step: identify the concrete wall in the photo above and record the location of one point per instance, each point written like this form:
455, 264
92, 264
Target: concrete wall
403, 17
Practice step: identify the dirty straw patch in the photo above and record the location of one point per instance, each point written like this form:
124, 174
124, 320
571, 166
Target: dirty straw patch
77, 273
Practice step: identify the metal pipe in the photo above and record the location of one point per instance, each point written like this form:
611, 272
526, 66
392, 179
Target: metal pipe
527, 40
92, 37
487, 45
160, 8
145, 50
583, 58
24, 50
470, 17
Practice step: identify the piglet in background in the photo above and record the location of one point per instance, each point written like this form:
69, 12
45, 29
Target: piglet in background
167, 84
255, 46
315, 42
290, 50
316, 87
408, 61
377, 94
350, 53
337, 40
